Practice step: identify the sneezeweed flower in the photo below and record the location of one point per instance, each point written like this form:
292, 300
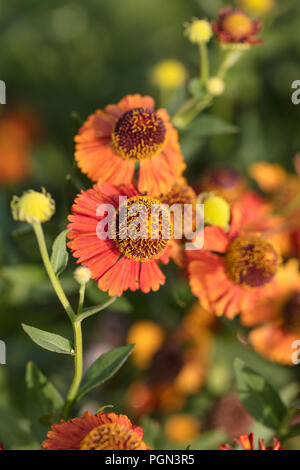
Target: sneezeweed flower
223, 181
246, 441
127, 260
148, 338
215, 86
33, 207
276, 321
182, 428
236, 29
257, 7
104, 431
82, 275
198, 31
234, 269
112, 141
169, 74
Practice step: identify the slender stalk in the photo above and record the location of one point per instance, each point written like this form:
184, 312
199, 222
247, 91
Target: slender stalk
81, 299
52, 276
78, 363
204, 63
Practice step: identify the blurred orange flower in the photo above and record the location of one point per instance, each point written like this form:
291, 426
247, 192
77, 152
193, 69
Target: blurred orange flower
104, 431
113, 140
277, 319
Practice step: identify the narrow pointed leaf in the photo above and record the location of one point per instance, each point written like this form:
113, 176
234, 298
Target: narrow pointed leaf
104, 368
259, 397
49, 341
59, 256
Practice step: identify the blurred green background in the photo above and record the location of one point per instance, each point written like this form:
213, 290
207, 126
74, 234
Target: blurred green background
64, 59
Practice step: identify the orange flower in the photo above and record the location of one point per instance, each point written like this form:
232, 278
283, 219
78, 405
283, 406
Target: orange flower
113, 140
246, 441
119, 263
233, 269
236, 27
277, 318
104, 431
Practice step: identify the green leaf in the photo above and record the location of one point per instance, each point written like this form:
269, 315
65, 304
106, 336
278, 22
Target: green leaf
59, 256
259, 398
49, 341
104, 368
208, 125
42, 399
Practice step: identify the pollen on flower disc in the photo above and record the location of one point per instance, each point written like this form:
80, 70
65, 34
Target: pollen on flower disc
143, 228
139, 134
251, 261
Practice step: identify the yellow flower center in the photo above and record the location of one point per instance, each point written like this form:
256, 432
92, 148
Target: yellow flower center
237, 25
112, 436
291, 314
144, 228
251, 261
139, 134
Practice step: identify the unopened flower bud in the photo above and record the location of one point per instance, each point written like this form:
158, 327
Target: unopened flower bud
216, 211
198, 31
82, 275
33, 206
215, 86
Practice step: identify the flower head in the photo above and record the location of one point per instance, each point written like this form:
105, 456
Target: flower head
33, 207
169, 74
125, 256
215, 86
112, 141
235, 268
246, 441
269, 176
104, 431
198, 31
237, 28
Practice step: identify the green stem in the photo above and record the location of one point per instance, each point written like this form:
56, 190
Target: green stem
78, 363
81, 299
52, 276
204, 63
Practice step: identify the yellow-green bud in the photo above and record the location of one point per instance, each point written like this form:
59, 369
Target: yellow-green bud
215, 86
33, 206
169, 74
82, 275
216, 211
198, 31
